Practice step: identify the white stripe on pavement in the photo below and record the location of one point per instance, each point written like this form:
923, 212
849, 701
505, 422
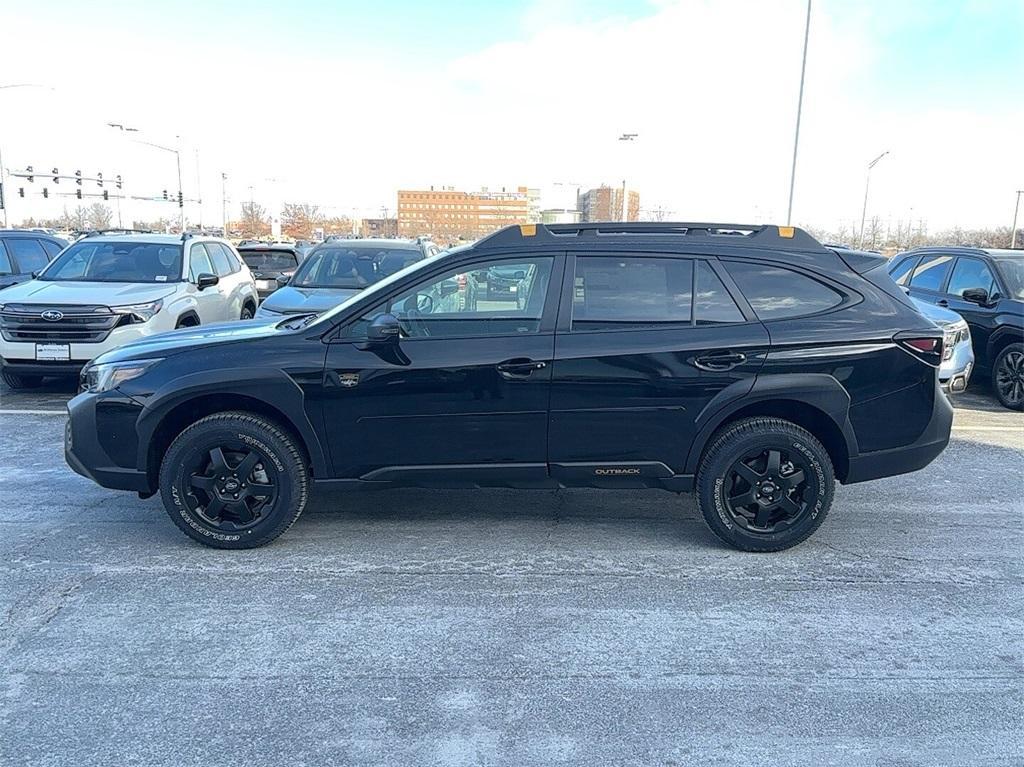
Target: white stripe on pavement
33, 412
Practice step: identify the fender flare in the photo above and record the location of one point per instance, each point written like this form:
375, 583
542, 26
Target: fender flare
997, 340
818, 390
190, 314
271, 386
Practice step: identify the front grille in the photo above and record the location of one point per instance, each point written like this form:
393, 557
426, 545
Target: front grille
79, 324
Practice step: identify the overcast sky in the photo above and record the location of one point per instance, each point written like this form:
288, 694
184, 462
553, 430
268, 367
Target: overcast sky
342, 103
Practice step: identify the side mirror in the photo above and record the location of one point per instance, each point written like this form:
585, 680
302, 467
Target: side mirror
976, 296
384, 329
283, 280
206, 280
520, 275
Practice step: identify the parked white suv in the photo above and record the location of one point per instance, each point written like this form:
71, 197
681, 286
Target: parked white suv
106, 290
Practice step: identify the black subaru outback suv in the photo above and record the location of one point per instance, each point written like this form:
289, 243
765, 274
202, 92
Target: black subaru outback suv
748, 363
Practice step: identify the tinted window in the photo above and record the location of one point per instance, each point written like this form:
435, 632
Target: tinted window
931, 272
269, 260
611, 291
970, 273
352, 267
775, 293
199, 263
220, 259
51, 248
900, 273
713, 305
89, 261
28, 254
5, 261
1012, 270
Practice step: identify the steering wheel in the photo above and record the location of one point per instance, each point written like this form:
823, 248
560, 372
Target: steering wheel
416, 324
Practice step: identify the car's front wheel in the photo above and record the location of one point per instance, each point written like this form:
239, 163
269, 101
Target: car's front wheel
19, 381
764, 484
234, 480
247, 313
1008, 377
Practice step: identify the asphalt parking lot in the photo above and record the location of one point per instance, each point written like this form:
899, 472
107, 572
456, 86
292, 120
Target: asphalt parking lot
514, 628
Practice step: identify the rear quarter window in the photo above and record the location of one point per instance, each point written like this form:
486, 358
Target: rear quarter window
775, 292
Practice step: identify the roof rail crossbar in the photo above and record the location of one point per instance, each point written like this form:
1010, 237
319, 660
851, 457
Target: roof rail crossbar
747, 235
118, 230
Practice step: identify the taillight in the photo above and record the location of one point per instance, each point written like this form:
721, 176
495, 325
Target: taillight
926, 348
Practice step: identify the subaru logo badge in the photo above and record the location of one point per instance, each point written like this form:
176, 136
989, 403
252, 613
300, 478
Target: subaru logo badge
52, 315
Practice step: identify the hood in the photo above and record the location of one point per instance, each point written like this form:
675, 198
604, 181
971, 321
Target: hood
936, 314
86, 293
289, 300
173, 341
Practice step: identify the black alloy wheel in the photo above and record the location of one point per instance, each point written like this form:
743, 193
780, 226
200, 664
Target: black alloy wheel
247, 313
232, 487
1009, 377
768, 491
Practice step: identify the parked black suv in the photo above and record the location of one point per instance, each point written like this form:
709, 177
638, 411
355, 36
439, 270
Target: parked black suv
986, 288
23, 251
748, 363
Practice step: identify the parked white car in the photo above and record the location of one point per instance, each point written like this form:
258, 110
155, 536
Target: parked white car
104, 291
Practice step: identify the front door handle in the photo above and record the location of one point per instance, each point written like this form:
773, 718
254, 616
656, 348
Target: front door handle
520, 368
942, 302
719, 361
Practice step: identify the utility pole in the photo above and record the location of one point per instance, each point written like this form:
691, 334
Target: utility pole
867, 184
799, 111
628, 137
199, 191
224, 201
1013, 231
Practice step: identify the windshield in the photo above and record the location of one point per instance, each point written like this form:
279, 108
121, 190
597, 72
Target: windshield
116, 262
344, 267
274, 261
1012, 269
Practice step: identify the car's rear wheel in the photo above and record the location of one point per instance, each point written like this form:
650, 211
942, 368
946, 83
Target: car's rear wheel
1008, 377
765, 484
234, 480
20, 381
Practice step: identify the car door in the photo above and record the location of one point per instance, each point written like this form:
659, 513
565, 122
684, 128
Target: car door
929, 278
463, 394
228, 289
636, 361
209, 302
972, 273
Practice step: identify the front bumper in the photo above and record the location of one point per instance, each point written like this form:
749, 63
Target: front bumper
20, 356
955, 372
92, 435
907, 458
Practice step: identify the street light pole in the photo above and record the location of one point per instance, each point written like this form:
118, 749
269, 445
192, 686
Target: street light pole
1013, 231
224, 201
177, 155
867, 185
628, 137
799, 112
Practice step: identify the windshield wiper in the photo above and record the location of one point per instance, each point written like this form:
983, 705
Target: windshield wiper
297, 321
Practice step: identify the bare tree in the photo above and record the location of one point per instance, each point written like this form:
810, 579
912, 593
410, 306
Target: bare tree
299, 220
254, 222
99, 216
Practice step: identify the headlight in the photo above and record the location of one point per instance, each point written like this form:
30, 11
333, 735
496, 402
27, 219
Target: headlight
140, 312
110, 375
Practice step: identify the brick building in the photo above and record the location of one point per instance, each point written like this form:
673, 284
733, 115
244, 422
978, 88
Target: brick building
378, 227
605, 204
446, 214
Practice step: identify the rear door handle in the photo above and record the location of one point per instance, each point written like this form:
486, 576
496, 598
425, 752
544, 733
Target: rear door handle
520, 368
719, 361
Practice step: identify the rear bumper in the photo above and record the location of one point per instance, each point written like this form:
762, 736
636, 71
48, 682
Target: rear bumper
86, 456
907, 458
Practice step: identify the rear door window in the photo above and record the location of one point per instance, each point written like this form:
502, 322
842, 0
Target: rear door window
626, 291
28, 254
51, 248
775, 292
221, 262
931, 273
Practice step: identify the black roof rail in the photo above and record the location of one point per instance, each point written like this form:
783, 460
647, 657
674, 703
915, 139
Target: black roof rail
188, 235
752, 235
104, 232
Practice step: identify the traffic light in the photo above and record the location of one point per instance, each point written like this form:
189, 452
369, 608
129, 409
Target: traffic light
118, 181
78, 193
78, 178
30, 178
181, 200
165, 195
56, 176
106, 194
21, 191
99, 179
46, 192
